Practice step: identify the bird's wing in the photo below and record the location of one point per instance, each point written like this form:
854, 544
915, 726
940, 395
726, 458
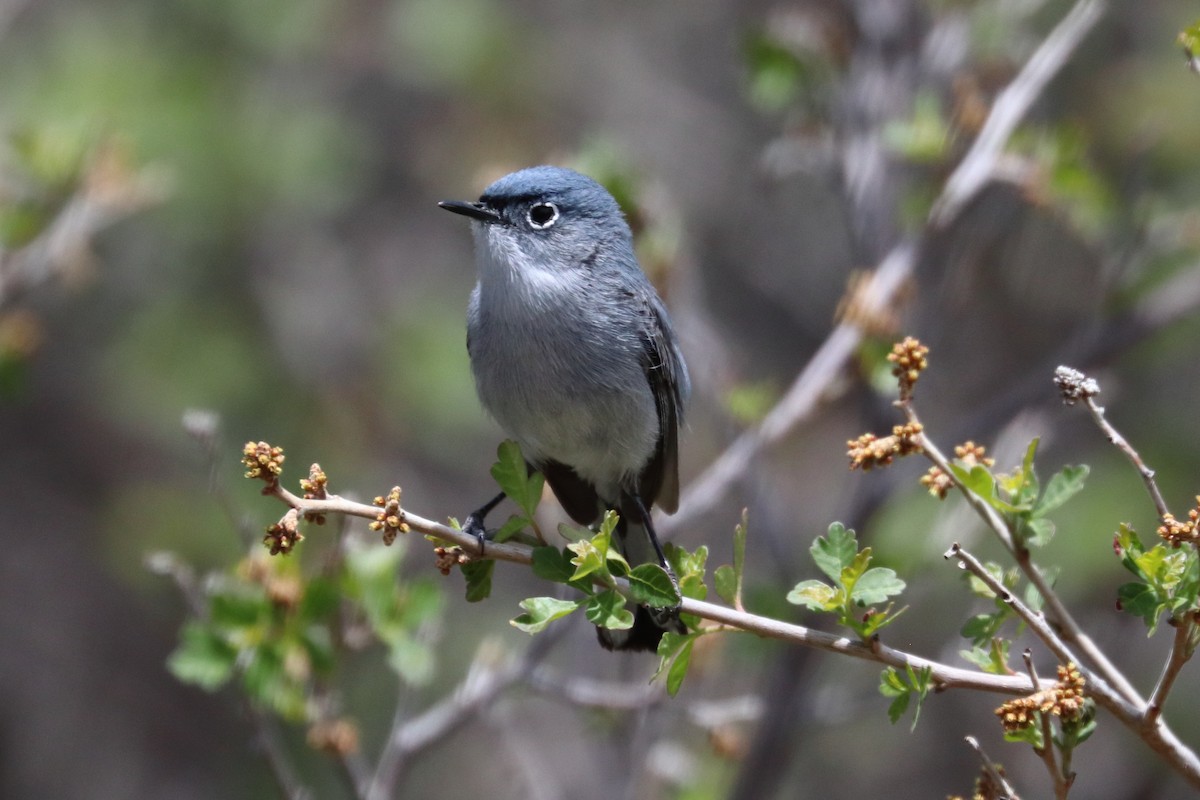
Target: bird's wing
668, 378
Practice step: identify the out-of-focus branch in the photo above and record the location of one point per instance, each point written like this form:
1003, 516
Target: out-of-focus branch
975, 171
971, 175
109, 191
487, 677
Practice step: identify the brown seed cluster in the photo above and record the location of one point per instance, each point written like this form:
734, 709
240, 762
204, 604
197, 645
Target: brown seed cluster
315, 488
283, 536
910, 359
338, 737
262, 461
390, 519
447, 558
1064, 700
970, 454
1179, 533
937, 482
869, 451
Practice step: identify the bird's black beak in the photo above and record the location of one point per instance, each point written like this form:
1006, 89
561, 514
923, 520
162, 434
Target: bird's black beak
473, 210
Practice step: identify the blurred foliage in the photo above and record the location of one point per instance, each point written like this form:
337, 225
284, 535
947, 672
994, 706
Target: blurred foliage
278, 630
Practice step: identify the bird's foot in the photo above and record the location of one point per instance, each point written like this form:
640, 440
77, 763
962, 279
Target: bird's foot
474, 527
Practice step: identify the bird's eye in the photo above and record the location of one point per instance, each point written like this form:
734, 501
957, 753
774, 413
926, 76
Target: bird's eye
543, 215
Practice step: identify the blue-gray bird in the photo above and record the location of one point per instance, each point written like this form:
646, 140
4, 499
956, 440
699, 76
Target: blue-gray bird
574, 356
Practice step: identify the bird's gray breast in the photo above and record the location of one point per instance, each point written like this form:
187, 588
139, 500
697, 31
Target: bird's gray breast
560, 367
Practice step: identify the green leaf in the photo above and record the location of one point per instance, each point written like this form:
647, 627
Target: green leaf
478, 575
815, 596
511, 527
1142, 601
1128, 546
203, 658
1064, 485
1031, 736
982, 589
512, 475
739, 554
689, 569
541, 611
588, 558
856, 569
980, 482
608, 610
993, 658
835, 553
980, 628
679, 667
869, 624
686, 563
1027, 463
1036, 532
891, 684
920, 680
552, 564
726, 583
650, 585
876, 586
1153, 563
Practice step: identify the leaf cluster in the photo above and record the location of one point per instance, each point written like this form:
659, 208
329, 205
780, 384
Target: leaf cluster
276, 630
855, 584
1168, 578
1019, 497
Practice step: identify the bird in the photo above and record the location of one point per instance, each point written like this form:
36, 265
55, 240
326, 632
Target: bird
574, 355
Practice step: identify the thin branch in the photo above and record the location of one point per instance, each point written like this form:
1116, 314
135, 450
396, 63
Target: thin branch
1097, 686
1046, 751
945, 676
1181, 652
1122, 444
971, 175
989, 767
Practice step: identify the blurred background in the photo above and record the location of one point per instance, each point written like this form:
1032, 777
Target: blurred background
231, 206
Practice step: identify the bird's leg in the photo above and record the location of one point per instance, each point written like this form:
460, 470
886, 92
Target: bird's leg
644, 513
474, 523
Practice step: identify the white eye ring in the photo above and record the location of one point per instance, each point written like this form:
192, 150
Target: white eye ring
542, 215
